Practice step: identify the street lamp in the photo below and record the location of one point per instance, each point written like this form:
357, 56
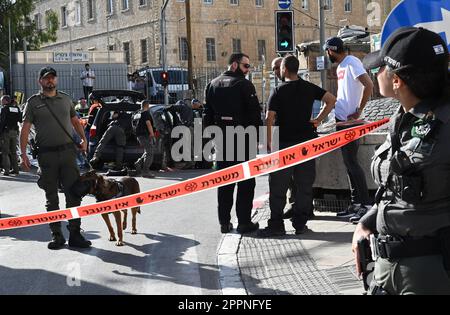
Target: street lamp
70, 24
12, 2
107, 48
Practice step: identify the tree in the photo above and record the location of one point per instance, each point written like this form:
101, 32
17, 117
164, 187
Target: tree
23, 27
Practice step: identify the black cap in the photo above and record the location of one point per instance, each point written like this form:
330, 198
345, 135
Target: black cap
410, 46
46, 71
334, 44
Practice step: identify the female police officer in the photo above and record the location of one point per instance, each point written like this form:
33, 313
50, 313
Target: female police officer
411, 217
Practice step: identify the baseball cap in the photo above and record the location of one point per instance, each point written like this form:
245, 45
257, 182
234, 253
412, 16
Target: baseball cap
46, 71
410, 46
334, 44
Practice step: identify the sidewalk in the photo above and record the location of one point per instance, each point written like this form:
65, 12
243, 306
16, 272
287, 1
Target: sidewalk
319, 262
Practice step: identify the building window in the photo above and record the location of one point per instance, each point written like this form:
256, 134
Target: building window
328, 4
125, 5
37, 20
208, 1
47, 19
348, 6
259, 3
305, 5
261, 49
144, 51
234, 2
64, 16
142, 3
109, 7
90, 9
126, 49
183, 48
237, 45
77, 13
210, 49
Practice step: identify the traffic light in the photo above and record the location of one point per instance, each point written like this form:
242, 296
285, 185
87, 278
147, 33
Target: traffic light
164, 78
284, 32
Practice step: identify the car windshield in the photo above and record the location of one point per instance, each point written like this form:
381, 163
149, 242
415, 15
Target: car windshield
175, 76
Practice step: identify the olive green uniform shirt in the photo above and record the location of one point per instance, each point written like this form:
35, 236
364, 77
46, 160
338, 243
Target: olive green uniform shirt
48, 132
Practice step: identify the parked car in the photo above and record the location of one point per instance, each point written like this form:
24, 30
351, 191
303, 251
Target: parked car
128, 102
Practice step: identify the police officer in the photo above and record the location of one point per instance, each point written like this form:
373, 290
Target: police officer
117, 131
56, 151
10, 117
146, 138
412, 211
231, 101
291, 104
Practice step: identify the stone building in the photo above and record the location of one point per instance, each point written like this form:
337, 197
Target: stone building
219, 27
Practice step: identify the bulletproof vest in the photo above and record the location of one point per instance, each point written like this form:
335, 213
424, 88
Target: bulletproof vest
13, 117
225, 98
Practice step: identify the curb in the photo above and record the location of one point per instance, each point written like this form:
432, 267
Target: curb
227, 261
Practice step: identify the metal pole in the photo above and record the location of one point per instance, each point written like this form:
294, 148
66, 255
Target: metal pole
25, 68
323, 73
109, 55
71, 62
189, 44
11, 90
164, 49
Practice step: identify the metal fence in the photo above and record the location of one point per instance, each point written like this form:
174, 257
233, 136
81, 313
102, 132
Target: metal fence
112, 76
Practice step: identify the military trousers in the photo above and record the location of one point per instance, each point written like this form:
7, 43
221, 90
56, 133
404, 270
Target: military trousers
424, 275
117, 134
59, 167
146, 159
8, 141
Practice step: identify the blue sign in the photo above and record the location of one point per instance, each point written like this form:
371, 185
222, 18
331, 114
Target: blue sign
284, 4
433, 15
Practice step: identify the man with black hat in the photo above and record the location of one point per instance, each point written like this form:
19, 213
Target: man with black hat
10, 117
354, 90
410, 221
53, 116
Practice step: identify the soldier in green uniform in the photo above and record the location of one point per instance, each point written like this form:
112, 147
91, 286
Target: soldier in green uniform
409, 225
56, 151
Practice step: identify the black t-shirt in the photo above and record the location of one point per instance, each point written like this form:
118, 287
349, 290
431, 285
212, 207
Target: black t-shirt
141, 128
293, 102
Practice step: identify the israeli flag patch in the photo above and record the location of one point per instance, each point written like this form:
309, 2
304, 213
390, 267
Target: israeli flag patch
439, 49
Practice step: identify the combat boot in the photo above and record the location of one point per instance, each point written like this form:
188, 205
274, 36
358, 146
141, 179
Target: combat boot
58, 240
75, 237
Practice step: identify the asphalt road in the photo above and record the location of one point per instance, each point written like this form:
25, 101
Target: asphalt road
174, 251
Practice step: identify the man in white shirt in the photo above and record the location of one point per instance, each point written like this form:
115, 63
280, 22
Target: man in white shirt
88, 78
354, 90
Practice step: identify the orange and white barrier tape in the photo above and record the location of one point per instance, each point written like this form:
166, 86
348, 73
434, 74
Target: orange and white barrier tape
276, 161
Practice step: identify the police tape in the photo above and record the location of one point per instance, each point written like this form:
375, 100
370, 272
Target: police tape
276, 161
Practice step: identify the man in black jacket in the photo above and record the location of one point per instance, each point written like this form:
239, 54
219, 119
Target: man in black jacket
10, 118
231, 101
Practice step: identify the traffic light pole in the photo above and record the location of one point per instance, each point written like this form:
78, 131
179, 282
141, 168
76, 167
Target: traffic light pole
164, 49
189, 43
323, 73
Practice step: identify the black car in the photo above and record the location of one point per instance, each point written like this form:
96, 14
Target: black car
128, 103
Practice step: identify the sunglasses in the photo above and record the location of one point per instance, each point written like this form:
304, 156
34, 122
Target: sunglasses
246, 65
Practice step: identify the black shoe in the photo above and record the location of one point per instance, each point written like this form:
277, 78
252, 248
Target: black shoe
57, 242
350, 211
361, 212
288, 214
247, 228
76, 239
301, 230
271, 232
226, 228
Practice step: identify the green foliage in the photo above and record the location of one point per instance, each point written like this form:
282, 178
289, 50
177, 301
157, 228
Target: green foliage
23, 27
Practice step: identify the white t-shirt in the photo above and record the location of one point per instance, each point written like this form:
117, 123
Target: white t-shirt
84, 77
350, 89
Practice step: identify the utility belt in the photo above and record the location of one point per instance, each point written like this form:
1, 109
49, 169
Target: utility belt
389, 247
57, 148
223, 121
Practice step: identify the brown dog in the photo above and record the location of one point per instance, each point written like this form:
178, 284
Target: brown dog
104, 189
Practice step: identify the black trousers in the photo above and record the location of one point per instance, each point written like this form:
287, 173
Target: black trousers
304, 176
244, 198
357, 179
87, 90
